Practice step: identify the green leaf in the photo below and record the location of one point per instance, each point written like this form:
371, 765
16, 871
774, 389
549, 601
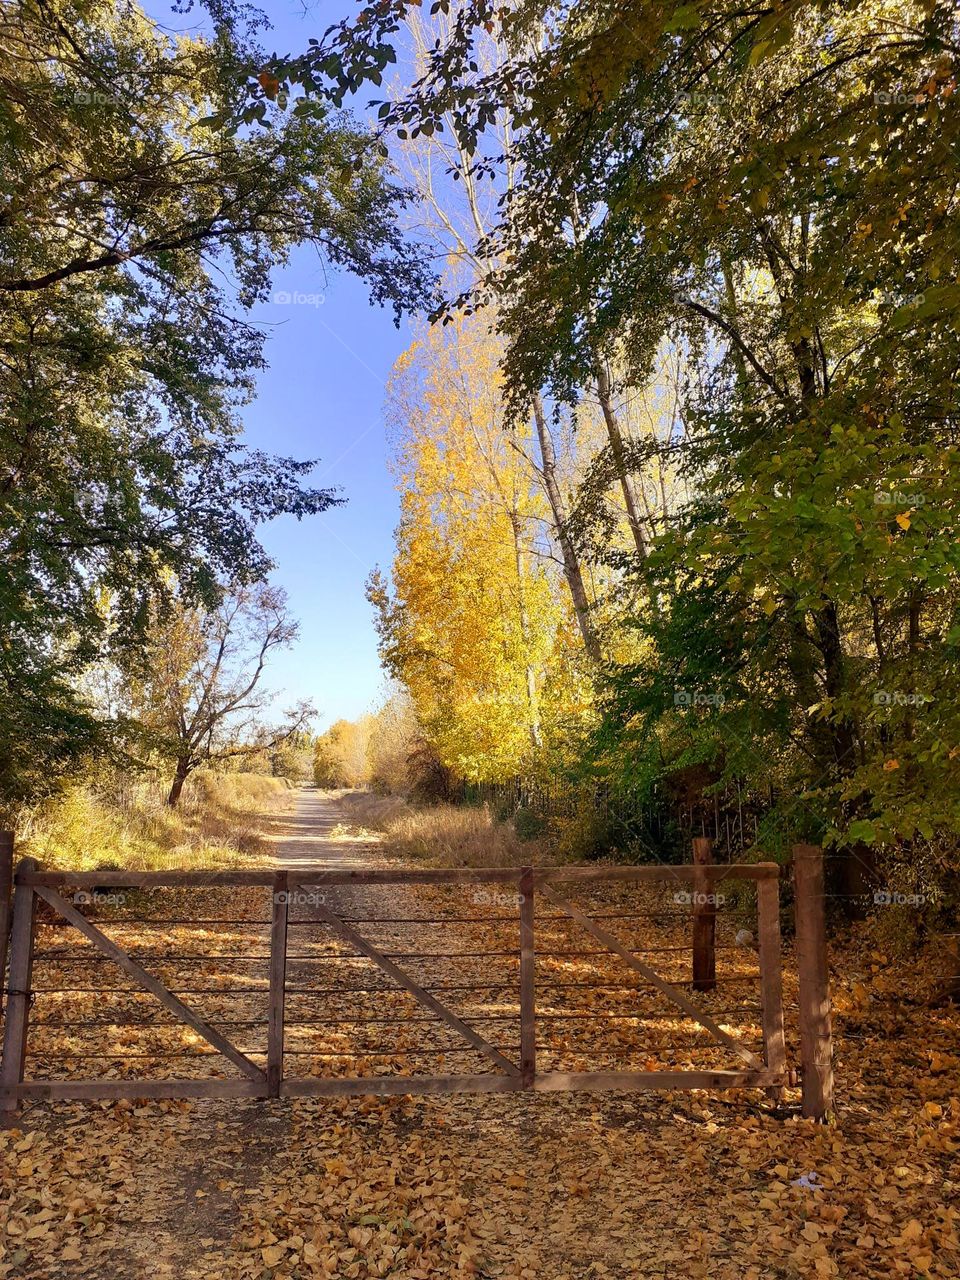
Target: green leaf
862, 832
686, 18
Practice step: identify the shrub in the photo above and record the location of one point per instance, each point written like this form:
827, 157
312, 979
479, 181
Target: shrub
111, 822
528, 825
587, 832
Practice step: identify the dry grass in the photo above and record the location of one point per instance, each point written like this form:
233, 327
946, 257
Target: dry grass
113, 823
442, 835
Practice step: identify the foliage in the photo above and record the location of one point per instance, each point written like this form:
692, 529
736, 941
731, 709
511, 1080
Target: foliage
291, 758
772, 195
385, 750
394, 740
135, 236
47, 731
340, 754
821, 551
528, 825
469, 626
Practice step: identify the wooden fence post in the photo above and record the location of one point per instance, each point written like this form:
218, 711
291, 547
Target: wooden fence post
528, 1007
771, 982
704, 920
816, 1037
18, 1001
278, 983
951, 984
6, 903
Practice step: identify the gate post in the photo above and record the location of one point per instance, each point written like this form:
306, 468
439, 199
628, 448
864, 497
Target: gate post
771, 982
704, 919
6, 903
278, 983
528, 1008
816, 1036
18, 991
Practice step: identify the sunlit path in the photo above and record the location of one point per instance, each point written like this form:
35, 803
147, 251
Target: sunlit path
314, 834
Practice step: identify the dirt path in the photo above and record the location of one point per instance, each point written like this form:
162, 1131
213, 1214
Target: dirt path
311, 836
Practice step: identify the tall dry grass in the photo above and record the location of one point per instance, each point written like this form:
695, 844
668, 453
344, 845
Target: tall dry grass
441, 835
114, 822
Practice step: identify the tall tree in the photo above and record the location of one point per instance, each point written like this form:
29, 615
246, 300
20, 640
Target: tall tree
471, 622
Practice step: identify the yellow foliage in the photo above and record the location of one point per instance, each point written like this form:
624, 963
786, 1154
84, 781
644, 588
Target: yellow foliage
340, 754
474, 618
112, 822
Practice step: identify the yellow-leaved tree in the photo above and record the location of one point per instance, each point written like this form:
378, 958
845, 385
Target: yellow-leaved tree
470, 623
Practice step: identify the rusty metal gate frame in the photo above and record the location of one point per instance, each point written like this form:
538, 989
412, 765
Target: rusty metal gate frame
34, 884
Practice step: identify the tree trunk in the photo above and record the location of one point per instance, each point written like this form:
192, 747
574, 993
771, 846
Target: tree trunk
856, 863
179, 778
571, 565
533, 702
615, 436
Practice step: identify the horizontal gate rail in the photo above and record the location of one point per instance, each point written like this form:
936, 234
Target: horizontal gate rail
539, 970
312, 876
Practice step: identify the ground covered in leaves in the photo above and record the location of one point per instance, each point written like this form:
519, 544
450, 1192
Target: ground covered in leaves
550, 1186
545, 1187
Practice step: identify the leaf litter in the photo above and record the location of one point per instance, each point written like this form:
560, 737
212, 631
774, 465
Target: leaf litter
513, 1187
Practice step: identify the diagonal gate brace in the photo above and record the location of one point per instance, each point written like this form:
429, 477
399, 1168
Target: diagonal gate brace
666, 988
147, 980
426, 999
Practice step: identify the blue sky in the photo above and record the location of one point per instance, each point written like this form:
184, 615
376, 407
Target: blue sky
323, 396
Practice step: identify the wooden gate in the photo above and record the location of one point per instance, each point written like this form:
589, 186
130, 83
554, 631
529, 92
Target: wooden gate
536, 964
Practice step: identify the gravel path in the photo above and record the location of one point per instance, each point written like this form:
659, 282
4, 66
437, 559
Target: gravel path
311, 836
324, 988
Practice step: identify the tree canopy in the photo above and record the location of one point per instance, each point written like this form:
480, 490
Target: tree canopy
136, 234
200, 700
770, 193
